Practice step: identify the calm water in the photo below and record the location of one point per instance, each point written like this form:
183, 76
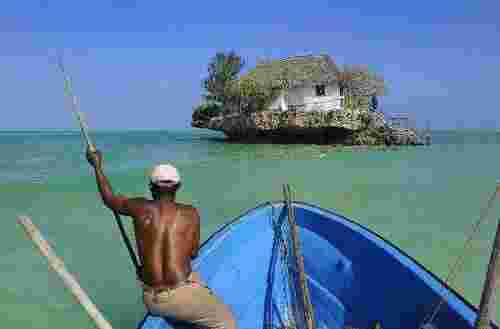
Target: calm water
422, 199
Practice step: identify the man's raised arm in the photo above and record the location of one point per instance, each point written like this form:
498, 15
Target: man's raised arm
118, 203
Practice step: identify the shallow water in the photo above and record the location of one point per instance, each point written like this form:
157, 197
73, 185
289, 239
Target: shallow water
424, 199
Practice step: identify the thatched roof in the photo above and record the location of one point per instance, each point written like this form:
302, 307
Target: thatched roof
297, 71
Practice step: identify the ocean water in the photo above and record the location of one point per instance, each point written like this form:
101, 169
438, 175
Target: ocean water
423, 199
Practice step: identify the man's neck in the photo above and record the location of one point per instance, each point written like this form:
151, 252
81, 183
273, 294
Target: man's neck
166, 198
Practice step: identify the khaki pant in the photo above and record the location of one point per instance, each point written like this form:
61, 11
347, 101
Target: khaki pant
193, 303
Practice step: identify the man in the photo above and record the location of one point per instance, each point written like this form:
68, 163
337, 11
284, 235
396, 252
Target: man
168, 237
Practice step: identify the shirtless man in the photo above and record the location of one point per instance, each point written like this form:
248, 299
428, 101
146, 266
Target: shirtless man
168, 237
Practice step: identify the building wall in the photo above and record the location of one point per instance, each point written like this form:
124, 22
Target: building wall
305, 97
276, 103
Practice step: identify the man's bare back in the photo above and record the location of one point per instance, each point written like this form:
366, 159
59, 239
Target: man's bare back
168, 236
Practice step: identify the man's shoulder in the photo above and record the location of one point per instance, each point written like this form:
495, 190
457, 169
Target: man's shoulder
188, 209
185, 206
140, 203
140, 200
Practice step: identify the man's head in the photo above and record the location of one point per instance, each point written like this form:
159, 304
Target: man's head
164, 181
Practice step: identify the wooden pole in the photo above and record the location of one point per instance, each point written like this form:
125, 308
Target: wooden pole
68, 88
57, 265
309, 313
84, 129
487, 305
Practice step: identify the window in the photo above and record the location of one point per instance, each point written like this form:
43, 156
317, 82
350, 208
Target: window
341, 91
320, 90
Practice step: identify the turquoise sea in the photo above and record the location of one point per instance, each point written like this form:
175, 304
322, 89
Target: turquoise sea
423, 199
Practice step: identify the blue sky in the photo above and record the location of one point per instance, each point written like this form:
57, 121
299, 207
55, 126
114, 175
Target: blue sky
138, 65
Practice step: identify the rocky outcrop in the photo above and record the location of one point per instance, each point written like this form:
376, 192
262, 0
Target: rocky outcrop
267, 121
338, 127
402, 136
375, 120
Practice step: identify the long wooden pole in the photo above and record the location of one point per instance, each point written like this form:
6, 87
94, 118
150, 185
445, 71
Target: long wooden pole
308, 309
57, 265
68, 88
487, 305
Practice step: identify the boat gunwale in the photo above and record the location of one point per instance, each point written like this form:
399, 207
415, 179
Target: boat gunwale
352, 221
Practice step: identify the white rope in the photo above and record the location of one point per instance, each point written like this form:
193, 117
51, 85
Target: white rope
454, 269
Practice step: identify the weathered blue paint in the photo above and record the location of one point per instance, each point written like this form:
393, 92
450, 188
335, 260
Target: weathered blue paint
355, 277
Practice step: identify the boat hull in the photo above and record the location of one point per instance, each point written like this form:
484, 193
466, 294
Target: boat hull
355, 277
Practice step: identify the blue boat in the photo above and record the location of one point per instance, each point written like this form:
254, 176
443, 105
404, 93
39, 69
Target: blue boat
355, 278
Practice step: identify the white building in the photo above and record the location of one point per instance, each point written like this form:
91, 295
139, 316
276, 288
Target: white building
311, 80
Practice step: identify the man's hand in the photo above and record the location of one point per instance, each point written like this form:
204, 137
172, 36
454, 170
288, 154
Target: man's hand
94, 158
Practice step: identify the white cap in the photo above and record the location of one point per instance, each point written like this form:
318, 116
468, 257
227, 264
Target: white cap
165, 174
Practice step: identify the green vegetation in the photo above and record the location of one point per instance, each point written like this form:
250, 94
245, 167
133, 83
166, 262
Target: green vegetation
227, 92
223, 70
361, 87
251, 96
207, 110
